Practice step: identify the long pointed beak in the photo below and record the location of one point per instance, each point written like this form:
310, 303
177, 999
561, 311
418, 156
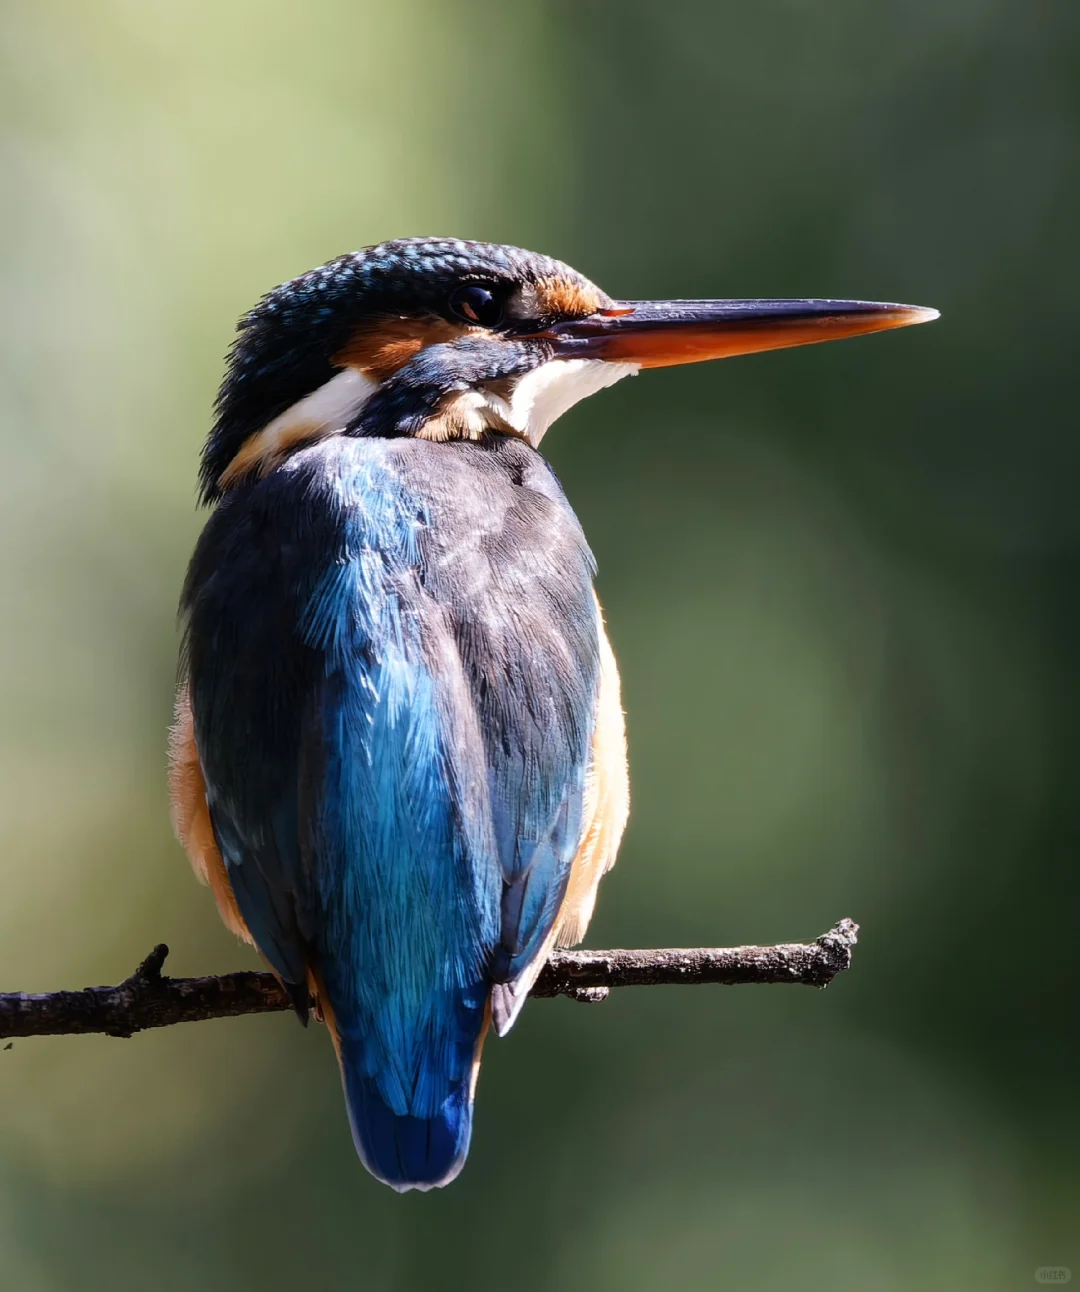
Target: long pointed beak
656, 334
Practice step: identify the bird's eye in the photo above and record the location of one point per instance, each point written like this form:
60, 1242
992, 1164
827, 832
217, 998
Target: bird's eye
476, 304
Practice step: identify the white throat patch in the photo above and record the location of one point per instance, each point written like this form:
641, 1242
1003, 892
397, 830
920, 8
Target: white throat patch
544, 394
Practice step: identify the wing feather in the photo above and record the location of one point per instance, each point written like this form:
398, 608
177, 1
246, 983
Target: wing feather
393, 659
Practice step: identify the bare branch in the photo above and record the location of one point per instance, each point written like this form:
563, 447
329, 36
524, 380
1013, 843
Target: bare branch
149, 999
813, 964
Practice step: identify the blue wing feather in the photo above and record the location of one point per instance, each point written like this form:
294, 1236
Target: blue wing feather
393, 831
392, 661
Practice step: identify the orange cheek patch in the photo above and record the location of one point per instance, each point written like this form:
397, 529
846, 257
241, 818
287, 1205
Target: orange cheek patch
569, 299
386, 345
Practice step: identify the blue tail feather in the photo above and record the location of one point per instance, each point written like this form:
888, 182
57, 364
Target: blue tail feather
407, 1152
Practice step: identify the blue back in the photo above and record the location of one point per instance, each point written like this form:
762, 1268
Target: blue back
392, 654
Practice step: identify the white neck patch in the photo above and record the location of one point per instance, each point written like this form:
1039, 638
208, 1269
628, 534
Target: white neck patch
324, 412
543, 395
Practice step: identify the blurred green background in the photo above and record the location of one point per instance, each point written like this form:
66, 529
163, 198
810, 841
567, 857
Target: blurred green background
842, 584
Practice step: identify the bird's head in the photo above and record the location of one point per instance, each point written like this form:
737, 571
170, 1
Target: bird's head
443, 339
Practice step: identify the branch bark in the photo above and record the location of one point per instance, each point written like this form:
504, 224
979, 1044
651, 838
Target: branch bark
149, 999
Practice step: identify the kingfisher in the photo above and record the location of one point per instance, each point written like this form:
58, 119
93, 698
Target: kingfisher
398, 757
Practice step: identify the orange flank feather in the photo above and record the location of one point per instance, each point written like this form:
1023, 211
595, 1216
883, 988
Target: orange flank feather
607, 803
191, 817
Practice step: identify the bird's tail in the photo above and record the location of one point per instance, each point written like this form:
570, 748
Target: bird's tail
400, 1149
408, 1152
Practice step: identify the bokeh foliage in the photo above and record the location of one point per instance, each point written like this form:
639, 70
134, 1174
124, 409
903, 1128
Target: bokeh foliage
841, 583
